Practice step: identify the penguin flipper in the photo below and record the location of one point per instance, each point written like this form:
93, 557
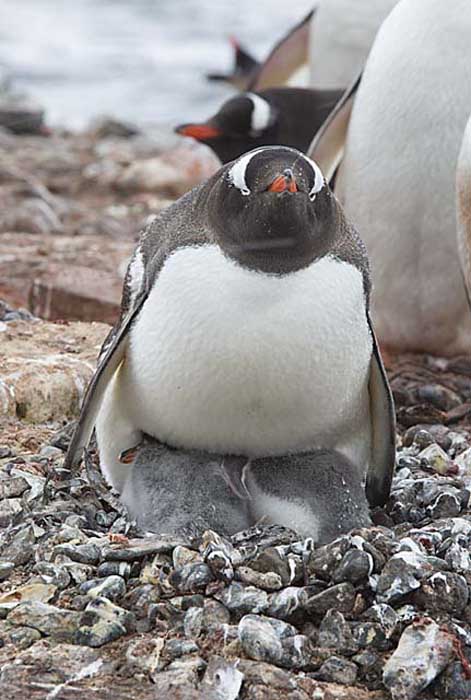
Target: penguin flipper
383, 430
109, 362
288, 54
328, 145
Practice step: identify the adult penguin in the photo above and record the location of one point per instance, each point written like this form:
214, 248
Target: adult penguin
397, 180
245, 330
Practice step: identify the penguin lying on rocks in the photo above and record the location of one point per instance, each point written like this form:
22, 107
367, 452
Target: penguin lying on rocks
285, 116
318, 494
245, 330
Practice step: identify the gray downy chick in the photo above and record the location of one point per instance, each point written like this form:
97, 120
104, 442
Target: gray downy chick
319, 494
185, 492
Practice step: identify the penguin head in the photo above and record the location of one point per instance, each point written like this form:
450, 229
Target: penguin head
243, 122
272, 210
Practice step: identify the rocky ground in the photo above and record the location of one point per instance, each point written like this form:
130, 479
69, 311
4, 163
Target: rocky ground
88, 604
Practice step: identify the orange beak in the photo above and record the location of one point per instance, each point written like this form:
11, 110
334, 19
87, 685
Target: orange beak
200, 132
284, 183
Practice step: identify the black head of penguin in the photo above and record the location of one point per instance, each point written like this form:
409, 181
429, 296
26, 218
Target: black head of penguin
284, 116
272, 211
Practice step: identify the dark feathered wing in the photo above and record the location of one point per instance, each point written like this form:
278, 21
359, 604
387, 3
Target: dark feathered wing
328, 145
383, 431
289, 54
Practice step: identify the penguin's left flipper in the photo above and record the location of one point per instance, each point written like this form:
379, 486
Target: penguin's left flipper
288, 54
328, 145
383, 431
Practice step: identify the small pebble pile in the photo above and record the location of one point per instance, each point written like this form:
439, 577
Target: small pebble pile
88, 602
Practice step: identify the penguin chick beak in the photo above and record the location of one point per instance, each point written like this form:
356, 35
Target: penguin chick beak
200, 132
284, 182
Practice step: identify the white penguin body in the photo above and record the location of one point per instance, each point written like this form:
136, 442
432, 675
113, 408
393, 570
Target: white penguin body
397, 181
342, 33
222, 358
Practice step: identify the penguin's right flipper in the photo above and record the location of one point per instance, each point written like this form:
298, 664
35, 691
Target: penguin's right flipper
383, 431
289, 53
328, 145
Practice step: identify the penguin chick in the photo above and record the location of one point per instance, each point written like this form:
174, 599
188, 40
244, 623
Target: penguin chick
285, 116
318, 494
185, 492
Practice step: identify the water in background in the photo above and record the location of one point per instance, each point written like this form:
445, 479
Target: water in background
141, 60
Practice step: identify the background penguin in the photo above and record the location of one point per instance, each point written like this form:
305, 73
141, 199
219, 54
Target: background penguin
319, 494
245, 329
333, 40
184, 492
342, 33
244, 68
285, 116
397, 181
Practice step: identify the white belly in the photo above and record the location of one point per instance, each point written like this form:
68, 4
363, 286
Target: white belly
397, 181
225, 359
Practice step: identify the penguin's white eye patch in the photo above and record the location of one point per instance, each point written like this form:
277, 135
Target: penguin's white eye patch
261, 114
236, 175
319, 180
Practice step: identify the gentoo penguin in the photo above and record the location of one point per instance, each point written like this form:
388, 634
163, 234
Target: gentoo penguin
334, 40
245, 329
285, 116
397, 180
185, 492
342, 33
244, 68
463, 206
286, 58
318, 494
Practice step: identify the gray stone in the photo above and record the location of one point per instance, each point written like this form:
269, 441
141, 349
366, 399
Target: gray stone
340, 597
53, 622
241, 600
338, 670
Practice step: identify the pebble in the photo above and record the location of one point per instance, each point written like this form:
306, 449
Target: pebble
288, 603
340, 597
13, 487
436, 457
443, 592
402, 575
241, 599
335, 633
51, 621
269, 581
356, 565
423, 651
338, 670
191, 577
81, 553
102, 622
10, 510
111, 587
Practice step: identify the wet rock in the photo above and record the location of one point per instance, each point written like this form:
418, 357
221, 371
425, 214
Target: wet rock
102, 622
340, 597
356, 565
443, 592
287, 603
436, 457
241, 599
269, 581
112, 587
53, 622
82, 553
335, 633
222, 679
6, 567
10, 510
191, 577
13, 487
338, 670
402, 575
423, 652
325, 560
267, 639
